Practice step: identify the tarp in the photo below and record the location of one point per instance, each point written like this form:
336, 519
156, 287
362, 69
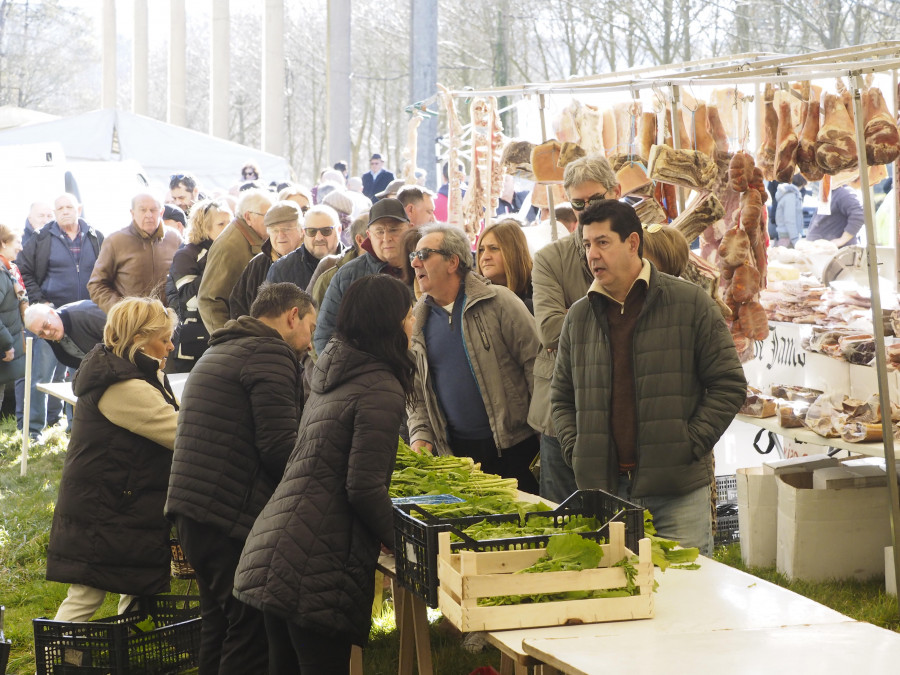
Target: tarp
12, 116
161, 149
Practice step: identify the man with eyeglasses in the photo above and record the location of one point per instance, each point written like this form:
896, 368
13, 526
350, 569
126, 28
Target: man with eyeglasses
135, 260
377, 178
184, 191
474, 344
382, 253
229, 255
647, 378
71, 330
321, 230
561, 276
283, 227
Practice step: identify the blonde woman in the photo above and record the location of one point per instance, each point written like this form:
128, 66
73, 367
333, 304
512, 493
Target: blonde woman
503, 257
208, 219
109, 533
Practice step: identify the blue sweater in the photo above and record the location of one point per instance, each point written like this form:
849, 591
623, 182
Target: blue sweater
453, 380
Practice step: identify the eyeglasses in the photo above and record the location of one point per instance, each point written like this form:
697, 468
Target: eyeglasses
313, 231
283, 230
593, 200
380, 232
424, 254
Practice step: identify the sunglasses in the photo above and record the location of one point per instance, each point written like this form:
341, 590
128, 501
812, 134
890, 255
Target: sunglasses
593, 200
313, 231
424, 254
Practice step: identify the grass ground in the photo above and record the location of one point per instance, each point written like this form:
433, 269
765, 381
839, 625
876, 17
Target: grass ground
26, 508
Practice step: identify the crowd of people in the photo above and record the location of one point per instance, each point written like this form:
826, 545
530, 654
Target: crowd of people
318, 326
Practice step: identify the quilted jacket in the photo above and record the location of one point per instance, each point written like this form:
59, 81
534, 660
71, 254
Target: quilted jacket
236, 428
689, 384
310, 557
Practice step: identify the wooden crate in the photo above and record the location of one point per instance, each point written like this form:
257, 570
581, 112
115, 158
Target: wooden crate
467, 576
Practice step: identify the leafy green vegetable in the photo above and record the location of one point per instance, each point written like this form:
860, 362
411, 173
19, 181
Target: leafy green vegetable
664, 553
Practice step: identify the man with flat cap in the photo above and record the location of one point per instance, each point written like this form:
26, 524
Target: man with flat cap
377, 178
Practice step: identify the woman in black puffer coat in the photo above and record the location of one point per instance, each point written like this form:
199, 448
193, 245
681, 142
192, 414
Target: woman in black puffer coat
309, 561
109, 533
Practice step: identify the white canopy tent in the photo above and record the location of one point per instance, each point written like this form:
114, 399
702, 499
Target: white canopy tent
161, 149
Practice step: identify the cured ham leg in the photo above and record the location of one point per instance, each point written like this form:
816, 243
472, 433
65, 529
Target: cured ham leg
716, 128
806, 149
882, 137
786, 149
765, 156
647, 135
835, 147
703, 141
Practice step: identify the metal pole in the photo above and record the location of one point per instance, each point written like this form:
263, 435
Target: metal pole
676, 138
884, 391
177, 108
108, 91
140, 60
26, 412
338, 69
423, 54
550, 201
220, 66
272, 138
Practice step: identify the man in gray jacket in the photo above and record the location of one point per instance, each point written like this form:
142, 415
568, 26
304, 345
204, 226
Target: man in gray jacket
474, 344
560, 277
646, 380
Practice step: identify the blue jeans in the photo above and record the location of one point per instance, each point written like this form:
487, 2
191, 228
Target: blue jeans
686, 519
44, 368
557, 479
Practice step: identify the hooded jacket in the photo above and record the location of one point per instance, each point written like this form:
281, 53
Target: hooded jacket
132, 262
108, 529
310, 557
238, 423
689, 384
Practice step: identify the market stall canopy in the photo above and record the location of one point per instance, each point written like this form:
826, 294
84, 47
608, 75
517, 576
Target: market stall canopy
12, 116
160, 148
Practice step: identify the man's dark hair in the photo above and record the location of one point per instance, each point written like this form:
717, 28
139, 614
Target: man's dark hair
370, 318
340, 166
274, 299
446, 170
185, 180
412, 194
623, 219
566, 214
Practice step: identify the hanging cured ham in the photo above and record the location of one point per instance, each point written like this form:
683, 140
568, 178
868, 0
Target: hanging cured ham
765, 156
716, 128
647, 135
806, 149
786, 149
835, 147
882, 138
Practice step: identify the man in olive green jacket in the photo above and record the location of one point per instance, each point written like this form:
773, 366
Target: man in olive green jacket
229, 255
474, 344
647, 379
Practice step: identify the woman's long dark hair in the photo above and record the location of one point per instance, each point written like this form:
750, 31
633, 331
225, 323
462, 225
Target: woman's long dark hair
371, 317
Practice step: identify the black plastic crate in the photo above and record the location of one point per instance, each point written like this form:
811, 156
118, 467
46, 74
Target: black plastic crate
726, 524
416, 533
726, 489
117, 646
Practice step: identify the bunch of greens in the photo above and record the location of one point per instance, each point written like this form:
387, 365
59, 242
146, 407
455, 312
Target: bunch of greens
537, 526
664, 552
569, 553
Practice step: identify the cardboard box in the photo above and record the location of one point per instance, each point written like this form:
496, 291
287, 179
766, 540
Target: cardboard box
807, 463
847, 477
757, 495
825, 534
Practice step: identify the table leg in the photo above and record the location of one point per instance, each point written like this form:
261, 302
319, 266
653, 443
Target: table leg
356, 662
402, 619
419, 615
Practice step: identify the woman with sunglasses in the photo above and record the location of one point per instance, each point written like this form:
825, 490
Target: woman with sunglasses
503, 258
207, 221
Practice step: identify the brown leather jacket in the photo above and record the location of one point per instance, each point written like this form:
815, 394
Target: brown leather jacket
132, 262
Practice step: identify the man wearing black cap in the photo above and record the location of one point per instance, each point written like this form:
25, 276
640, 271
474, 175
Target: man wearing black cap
377, 178
173, 217
382, 253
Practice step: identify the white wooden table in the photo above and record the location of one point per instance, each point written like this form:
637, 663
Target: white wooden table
714, 599
838, 648
63, 390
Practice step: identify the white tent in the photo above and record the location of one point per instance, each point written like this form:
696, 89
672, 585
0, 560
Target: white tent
161, 149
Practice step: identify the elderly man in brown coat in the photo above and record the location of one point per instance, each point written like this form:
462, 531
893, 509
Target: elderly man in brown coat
136, 259
229, 255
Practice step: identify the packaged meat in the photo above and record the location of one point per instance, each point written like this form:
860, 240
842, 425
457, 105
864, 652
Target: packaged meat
794, 393
758, 404
859, 349
792, 413
861, 432
826, 416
